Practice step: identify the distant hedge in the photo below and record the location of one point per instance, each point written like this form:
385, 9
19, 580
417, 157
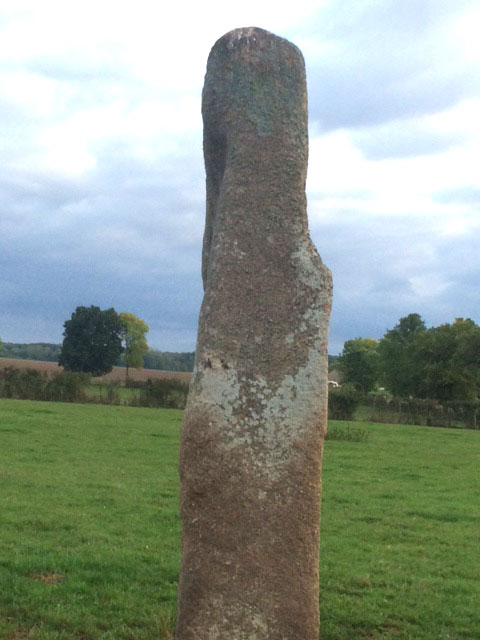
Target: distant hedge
343, 402
422, 411
169, 394
31, 384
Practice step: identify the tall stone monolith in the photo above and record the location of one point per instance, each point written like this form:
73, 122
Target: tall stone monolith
251, 450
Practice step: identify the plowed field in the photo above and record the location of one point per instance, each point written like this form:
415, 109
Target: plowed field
116, 375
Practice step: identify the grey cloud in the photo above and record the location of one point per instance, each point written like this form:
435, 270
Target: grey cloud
129, 236
385, 61
79, 69
26, 189
357, 194
350, 95
128, 233
403, 140
373, 260
49, 287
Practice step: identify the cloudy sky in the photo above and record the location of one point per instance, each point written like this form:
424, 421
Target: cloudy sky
102, 177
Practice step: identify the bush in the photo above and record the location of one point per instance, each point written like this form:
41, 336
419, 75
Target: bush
423, 411
67, 387
23, 384
130, 383
342, 402
169, 394
348, 433
30, 384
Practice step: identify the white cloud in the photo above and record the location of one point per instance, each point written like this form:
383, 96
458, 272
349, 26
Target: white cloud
465, 30
426, 286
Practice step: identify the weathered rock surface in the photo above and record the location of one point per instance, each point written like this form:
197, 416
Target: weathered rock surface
250, 462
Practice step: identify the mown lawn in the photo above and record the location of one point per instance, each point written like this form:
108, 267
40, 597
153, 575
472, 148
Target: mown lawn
89, 502
400, 545
89, 530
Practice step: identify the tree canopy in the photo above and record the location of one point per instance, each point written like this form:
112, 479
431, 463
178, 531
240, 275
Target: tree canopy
412, 360
397, 349
449, 357
359, 363
92, 340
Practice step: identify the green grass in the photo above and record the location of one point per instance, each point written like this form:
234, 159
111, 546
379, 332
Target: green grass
89, 530
400, 542
88, 493
112, 394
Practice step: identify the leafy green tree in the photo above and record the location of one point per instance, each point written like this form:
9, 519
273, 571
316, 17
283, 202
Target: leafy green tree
401, 371
92, 341
449, 356
441, 362
134, 341
359, 362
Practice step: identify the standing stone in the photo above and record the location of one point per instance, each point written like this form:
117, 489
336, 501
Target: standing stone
251, 450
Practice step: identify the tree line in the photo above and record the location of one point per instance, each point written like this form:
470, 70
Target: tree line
45, 351
412, 360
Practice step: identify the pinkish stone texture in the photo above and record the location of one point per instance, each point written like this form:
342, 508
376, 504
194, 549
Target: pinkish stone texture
251, 450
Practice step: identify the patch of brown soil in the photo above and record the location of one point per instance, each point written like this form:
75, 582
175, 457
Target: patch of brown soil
38, 365
21, 634
47, 578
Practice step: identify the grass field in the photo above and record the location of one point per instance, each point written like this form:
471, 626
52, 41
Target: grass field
89, 530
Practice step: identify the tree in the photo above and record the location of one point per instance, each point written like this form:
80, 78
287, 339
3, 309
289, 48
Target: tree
359, 363
92, 341
134, 341
441, 362
450, 360
400, 368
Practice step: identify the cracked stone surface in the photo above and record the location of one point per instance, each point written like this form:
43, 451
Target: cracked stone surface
253, 431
